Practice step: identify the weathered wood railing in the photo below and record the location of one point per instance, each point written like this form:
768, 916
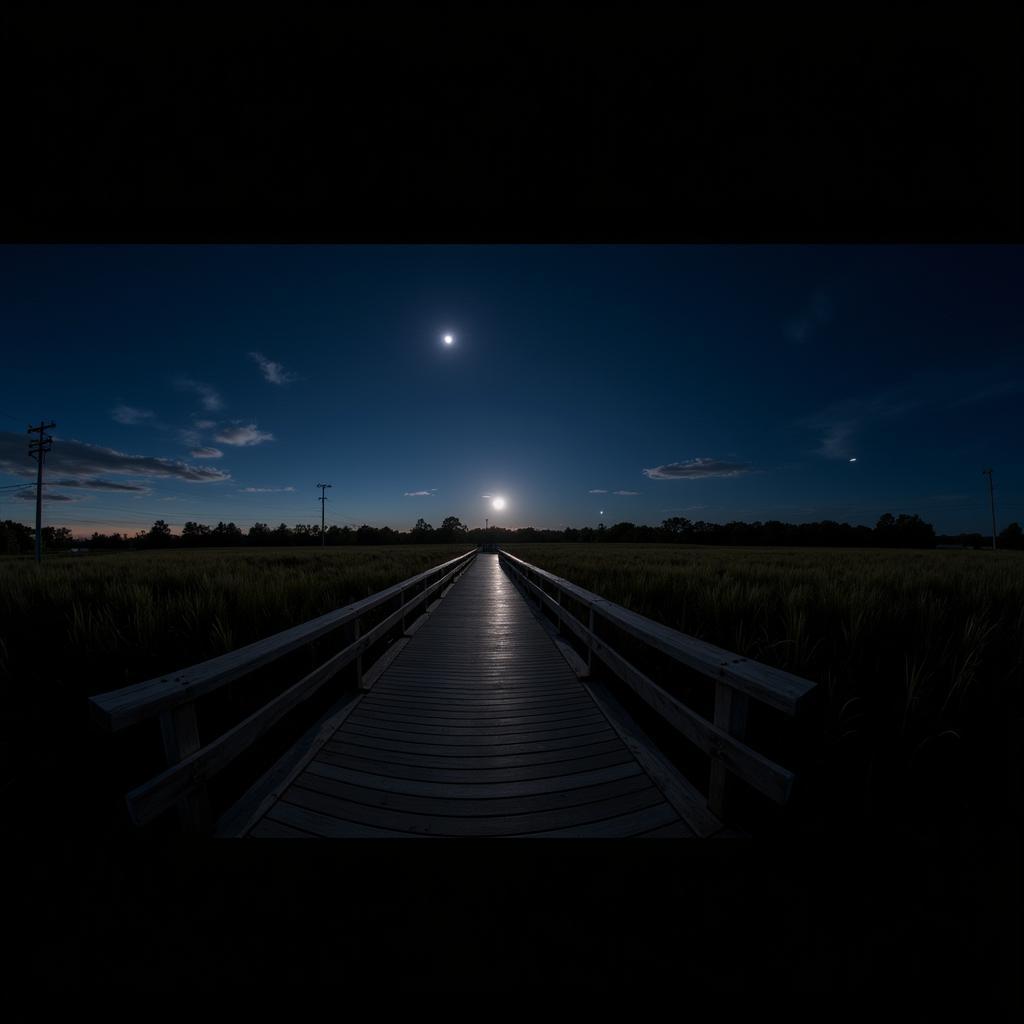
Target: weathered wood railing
173, 697
737, 681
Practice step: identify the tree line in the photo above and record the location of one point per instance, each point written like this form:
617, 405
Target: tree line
903, 531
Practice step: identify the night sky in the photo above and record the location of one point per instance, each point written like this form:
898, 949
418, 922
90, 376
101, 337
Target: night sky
712, 382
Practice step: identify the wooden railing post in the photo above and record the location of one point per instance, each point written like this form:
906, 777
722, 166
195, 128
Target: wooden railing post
731, 717
590, 640
351, 634
180, 734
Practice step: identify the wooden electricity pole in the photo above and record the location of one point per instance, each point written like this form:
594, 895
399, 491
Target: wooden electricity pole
322, 499
992, 501
37, 449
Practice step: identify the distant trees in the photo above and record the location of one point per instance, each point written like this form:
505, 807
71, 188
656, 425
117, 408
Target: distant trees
422, 531
194, 534
452, 530
159, 535
18, 539
902, 530
1012, 538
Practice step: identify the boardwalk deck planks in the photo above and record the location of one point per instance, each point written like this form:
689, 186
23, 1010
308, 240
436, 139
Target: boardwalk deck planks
477, 728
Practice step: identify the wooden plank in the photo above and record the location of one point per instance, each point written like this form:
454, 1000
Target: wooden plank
487, 760
478, 721
675, 830
483, 806
460, 741
243, 814
513, 773
497, 749
424, 824
497, 727
132, 704
269, 829
491, 790
482, 695
622, 826
449, 709
326, 827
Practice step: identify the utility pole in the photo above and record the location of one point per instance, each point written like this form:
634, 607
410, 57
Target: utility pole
322, 499
992, 500
37, 449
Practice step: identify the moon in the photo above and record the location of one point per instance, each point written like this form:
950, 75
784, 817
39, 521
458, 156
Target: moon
448, 339
498, 504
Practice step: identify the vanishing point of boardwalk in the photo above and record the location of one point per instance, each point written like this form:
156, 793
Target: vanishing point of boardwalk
478, 728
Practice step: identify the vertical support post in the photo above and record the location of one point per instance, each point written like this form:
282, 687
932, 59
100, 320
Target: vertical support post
180, 734
356, 630
730, 716
561, 628
590, 647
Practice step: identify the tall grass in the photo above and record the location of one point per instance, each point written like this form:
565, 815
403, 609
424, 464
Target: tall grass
914, 651
72, 627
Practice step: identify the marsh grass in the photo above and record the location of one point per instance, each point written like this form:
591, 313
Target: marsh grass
919, 655
73, 627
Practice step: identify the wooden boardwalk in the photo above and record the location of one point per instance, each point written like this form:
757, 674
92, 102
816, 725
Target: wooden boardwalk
479, 727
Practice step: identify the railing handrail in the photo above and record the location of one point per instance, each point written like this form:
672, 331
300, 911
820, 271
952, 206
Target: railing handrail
736, 680
777, 688
118, 709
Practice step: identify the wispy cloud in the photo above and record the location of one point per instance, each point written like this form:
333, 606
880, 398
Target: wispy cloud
814, 314
210, 396
206, 424
129, 415
418, 494
243, 437
273, 373
626, 492
694, 469
839, 425
596, 490
79, 460
206, 453
30, 495
264, 490
96, 484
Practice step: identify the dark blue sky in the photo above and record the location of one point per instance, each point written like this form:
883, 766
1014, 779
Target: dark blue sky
715, 382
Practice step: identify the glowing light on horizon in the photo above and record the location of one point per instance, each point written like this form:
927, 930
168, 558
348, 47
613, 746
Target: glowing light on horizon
448, 339
498, 504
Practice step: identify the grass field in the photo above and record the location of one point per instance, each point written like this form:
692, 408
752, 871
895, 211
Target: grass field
920, 654
72, 626
122, 618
